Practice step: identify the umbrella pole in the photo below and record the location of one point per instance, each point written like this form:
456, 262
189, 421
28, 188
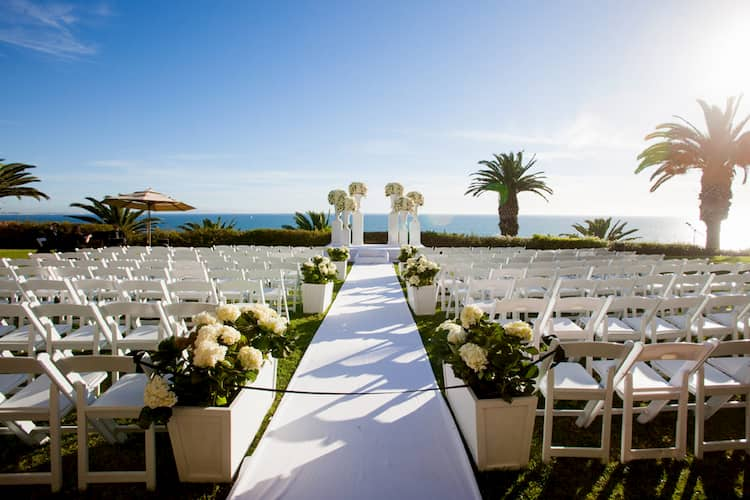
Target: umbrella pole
148, 226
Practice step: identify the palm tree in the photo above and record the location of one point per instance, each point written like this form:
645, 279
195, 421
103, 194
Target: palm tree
122, 219
507, 176
208, 224
716, 154
603, 229
311, 221
14, 179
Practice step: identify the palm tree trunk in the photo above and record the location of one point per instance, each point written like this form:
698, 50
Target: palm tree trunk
716, 196
509, 216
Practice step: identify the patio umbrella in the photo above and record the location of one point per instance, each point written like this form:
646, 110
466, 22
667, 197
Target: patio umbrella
149, 200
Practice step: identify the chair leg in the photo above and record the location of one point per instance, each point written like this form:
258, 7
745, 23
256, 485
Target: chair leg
699, 421
83, 450
150, 442
627, 421
606, 427
547, 433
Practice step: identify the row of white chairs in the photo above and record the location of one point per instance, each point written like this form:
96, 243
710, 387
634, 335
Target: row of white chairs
712, 372
621, 319
116, 326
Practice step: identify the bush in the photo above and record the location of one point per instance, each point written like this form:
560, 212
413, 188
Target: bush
209, 237
547, 242
670, 249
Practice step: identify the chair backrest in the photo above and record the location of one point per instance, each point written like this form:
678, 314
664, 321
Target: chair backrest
180, 315
655, 285
20, 315
691, 284
130, 314
507, 273
489, 289
689, 307
240, 290
73, 315
578, 287
47, 290
145, 290
620, 287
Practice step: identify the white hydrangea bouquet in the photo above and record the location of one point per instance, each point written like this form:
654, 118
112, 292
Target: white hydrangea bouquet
358, 188
416, 198
394, 188
224, 351
420, 271
338, 254
319, 270
403, 204
495, 361
407, 252
350, 204
336, 198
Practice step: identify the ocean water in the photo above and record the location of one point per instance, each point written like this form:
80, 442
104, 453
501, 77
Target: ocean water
658, 229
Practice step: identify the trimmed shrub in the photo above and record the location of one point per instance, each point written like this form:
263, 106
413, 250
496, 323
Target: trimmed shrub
14, 234
547, 242
670, 249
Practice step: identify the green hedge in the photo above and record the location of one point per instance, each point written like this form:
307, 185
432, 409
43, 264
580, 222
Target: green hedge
209, 237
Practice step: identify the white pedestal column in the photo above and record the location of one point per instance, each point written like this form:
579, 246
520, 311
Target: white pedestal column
358, 228
347, 233
337, 230
403, 233
393, 224
415, 231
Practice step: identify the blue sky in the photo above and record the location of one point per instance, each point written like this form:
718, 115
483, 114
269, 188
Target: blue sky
242, 106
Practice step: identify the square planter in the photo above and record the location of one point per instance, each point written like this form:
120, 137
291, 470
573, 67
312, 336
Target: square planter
209, 443
316, 297
422, 299
498, 433
340, 269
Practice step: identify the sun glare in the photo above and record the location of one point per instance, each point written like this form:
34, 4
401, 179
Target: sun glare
722, 65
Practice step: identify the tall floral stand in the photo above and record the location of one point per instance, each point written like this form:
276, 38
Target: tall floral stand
209, 443
347, 233
337, 231
393, 223
498, 433
403, 235
358, 228
316, 297
415, 231
422, 299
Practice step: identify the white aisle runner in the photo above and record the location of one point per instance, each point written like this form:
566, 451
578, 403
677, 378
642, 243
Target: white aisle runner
394, 446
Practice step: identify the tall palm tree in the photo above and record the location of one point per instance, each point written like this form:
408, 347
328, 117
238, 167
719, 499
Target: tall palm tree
507, 176
122, 219
310, 221
209, 225
716, 153
603, 229
14, 179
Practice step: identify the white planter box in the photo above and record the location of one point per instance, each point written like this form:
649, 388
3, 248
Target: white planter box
209, 443
497, 433
422, 299
340, 269
316, 297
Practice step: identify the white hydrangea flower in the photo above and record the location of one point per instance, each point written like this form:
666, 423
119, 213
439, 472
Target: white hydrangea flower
208, 333
204, 318
474, 356
455, 333
414, 280
277, 324
229, 335
158, 394
228, 312
470, 315
519, 329
250, 358
207, 354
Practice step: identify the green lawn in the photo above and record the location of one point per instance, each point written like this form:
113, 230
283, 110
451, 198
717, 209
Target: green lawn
15, 254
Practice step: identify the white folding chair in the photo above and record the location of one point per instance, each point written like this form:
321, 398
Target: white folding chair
135, 325
38, 401
636, 380
144, 290
628, 318
676, 319
122, 400
692, 285
484, 293
73, 327
719, 386
656, 286
97, 290
576, 318
49, 291
572, 381
577, 287
239, 291
20, 329
180, 315
724, 316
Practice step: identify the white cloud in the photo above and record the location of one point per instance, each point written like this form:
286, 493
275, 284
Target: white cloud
47, 28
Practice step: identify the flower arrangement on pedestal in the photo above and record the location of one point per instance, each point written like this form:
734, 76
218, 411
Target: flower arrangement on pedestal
357, 188
407, 252
420, 271
403, 204
350, 204
394, 188
338, 254
225, 351
318, 270
335, 196
495, 361
416, 198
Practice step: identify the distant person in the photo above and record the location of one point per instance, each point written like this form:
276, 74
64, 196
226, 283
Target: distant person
51, 239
